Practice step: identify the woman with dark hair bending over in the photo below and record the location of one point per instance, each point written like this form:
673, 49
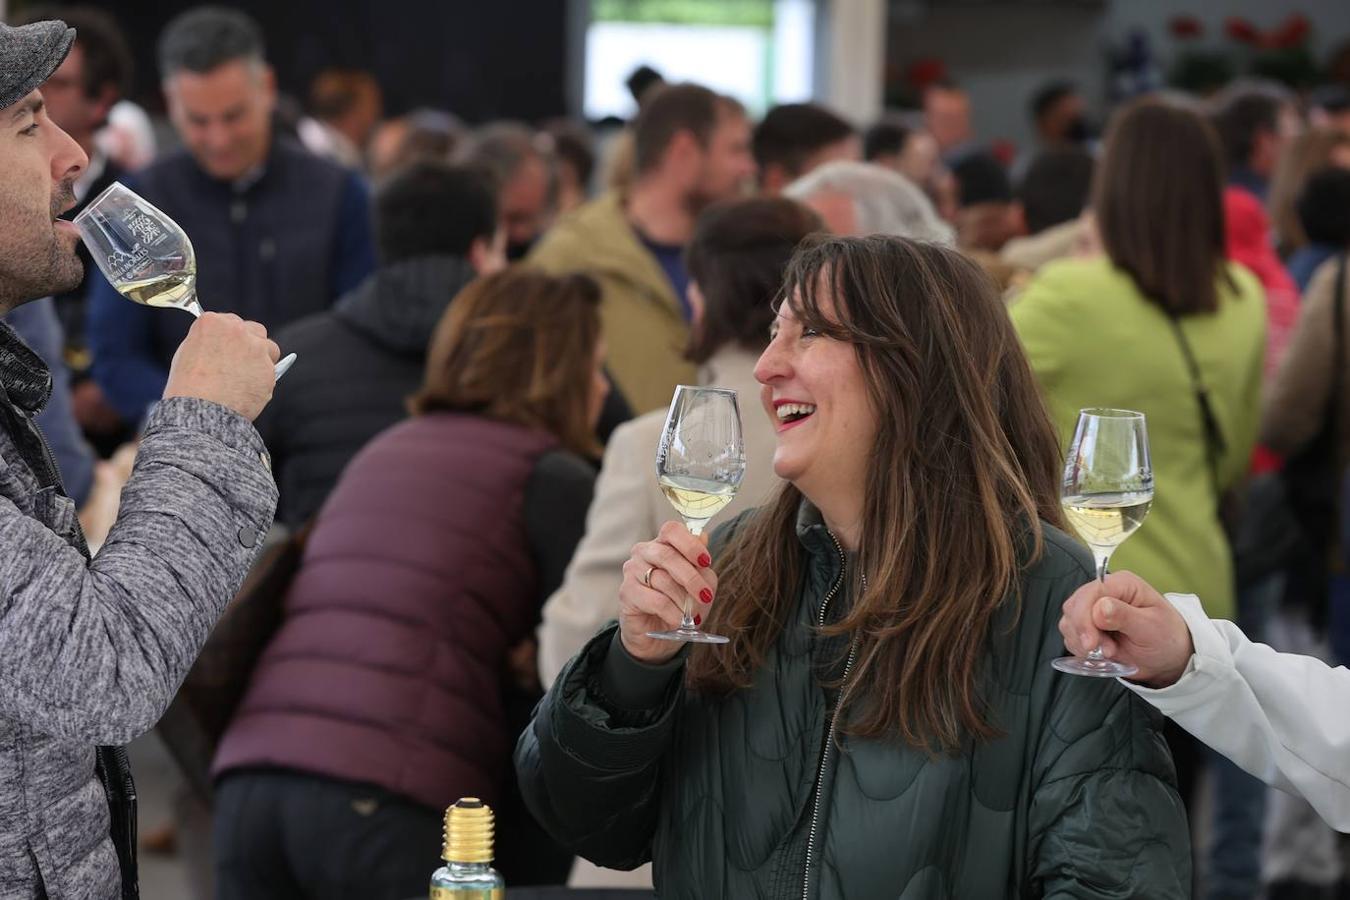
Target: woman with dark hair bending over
884, 721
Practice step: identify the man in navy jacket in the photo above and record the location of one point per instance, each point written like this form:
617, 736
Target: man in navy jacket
278, 232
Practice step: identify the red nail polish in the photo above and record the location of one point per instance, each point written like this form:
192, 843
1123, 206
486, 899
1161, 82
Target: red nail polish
698, 620
705, 560
705, 595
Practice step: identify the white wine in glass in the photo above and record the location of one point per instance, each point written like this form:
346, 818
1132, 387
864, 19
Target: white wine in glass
699, 465
165, 291
1107, 493
696, 499
144, 254
1107, 520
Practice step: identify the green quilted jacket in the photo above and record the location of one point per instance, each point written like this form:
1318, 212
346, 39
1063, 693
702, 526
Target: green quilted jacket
748, 797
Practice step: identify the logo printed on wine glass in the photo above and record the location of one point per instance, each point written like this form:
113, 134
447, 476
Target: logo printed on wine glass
144, 228
122, 263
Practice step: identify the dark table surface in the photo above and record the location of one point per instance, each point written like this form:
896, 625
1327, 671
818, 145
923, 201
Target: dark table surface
565, 893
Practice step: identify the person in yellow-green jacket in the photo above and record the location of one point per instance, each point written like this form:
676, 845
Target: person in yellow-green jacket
1156, 320
1164, 323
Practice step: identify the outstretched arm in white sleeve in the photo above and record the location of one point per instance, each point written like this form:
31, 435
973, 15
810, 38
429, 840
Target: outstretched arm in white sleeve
1283, 717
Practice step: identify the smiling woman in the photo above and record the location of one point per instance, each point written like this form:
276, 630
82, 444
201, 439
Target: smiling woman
884, 720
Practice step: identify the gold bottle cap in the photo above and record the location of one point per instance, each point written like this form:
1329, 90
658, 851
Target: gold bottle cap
468, 832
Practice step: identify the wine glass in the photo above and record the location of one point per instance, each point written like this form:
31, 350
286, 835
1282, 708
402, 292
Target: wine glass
1108, 490
143, 253
699, 464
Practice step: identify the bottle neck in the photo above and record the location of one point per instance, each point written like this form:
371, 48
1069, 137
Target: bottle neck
468, 869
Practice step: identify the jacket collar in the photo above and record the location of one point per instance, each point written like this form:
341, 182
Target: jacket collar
612, 247
815, 535
401, 304
24, 377
278, 149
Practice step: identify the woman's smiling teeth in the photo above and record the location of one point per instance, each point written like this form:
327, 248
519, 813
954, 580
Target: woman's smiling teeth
791, 412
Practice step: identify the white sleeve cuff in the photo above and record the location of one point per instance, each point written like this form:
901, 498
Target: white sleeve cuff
1211, 662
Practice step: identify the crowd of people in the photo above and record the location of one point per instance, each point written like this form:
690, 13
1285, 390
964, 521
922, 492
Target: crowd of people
457, 542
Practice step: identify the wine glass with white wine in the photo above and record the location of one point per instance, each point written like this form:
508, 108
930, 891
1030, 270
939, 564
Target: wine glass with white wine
699, 464
1108, 490
144, 254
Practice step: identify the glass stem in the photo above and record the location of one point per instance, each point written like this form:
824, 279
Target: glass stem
1102, 557
687, 623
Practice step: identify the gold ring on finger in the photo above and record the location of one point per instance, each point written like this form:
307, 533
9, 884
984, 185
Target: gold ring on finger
647, 576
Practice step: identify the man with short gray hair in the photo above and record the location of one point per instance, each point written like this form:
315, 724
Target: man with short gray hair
94, 649
856, 198
279, 233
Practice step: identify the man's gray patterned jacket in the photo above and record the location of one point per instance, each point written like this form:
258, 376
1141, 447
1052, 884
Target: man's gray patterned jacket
91, 652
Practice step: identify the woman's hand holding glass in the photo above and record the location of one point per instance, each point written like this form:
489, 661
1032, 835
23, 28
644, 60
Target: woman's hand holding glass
658, 578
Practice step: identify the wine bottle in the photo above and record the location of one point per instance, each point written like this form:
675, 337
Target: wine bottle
468, 873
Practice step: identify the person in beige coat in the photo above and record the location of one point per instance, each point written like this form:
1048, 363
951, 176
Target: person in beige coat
736, 262
1296, 400
692, 148
1303, 848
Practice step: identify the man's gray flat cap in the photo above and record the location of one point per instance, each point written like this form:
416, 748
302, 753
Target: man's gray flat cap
29, 55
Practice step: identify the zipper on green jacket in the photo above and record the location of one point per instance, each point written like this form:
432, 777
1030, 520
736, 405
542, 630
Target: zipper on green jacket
834, 720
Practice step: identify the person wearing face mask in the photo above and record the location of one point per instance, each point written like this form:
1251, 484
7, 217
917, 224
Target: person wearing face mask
1059, 114
885, 720
278, 233
692, 148
526, 181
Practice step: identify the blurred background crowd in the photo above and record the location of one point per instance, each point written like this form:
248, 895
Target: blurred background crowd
364, 179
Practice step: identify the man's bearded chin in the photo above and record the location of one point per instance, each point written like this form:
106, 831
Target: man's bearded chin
64, 197
67, 272
63, 271
67, 269
55, 269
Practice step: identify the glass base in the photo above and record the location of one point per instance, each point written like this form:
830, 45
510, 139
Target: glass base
1094, 668
689, 636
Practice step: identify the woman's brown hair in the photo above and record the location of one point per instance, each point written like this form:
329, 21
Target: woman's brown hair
1158, 198
737, 257
965, 468
519, 346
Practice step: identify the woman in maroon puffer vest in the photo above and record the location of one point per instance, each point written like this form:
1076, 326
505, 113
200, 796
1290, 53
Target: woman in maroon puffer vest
383, 696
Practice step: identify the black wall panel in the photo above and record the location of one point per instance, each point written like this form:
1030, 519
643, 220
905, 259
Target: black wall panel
480, 59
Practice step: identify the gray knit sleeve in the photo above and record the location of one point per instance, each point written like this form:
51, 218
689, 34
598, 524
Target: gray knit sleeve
95, 651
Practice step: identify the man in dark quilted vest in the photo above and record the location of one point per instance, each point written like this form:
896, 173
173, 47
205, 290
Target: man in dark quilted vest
278, 232
93, 650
